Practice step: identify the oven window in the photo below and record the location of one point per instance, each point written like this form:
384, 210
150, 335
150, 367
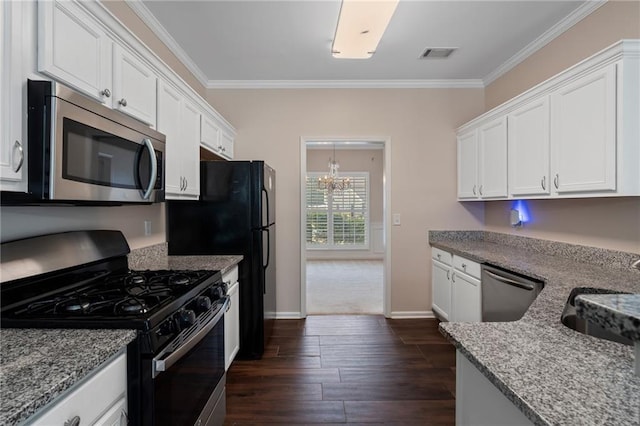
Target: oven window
100, 158
182, 392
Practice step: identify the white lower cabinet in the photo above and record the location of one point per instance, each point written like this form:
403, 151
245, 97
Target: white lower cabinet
479, 402
456, 289
232, 317
99, 399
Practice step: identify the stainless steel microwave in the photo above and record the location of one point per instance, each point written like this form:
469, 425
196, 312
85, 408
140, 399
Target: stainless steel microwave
81, 151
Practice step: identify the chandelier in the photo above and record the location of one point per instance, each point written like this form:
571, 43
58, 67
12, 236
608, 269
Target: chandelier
332, 182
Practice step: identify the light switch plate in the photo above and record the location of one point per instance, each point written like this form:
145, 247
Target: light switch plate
396, 219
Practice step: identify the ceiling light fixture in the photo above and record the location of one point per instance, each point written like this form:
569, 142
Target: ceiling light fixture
361, 25
332, 182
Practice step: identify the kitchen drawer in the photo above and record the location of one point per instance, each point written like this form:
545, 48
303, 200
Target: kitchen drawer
441, 255
96, 396
467, 266
231, 276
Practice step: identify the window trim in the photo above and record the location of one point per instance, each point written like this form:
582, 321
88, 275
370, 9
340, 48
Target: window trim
367, 229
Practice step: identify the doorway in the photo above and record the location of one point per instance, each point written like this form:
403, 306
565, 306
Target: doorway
345, 249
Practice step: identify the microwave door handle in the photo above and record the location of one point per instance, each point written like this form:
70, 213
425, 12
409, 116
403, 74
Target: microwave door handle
154, 169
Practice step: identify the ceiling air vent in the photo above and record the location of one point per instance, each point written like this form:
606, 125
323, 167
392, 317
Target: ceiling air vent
437, 52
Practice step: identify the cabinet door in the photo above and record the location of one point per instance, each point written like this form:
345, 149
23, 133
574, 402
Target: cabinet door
529, 149
583, 133
441, 288
73, 49
467, 165
12, 151
226, 145
209, 134
190, 147
466, 298
492, 173
169, 110
232, 326
134, 86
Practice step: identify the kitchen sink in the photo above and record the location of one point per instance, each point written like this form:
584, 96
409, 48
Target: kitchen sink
571, 320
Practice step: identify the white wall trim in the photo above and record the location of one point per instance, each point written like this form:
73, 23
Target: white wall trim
412, 314
345, 84
545, 38
161, 32
288, 315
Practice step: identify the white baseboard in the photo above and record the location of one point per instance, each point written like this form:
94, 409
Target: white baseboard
412, 314
288, 315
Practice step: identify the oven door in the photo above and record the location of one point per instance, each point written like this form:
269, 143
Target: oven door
97, 159
189, 380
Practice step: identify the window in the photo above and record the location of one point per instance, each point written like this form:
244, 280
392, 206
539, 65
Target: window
339, 220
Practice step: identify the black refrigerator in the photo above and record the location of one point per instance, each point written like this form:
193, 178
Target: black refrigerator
235, 215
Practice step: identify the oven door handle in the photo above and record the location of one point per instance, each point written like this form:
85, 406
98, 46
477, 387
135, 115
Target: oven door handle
154, 168
160, 365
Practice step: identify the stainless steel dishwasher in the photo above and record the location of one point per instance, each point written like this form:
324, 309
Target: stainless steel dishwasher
506, 296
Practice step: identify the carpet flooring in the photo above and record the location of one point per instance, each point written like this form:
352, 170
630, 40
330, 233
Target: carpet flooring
344, 287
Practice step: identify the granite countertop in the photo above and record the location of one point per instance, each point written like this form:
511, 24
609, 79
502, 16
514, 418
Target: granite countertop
156, 257
618, 313
553, 374
37, 365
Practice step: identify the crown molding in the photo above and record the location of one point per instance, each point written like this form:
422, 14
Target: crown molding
161, 32
569, 21
345, 84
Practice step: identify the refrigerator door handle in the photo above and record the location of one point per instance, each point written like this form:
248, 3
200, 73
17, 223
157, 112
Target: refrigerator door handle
268, 247
266, 206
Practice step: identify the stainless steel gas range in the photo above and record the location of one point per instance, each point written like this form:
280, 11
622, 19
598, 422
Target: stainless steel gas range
176, 371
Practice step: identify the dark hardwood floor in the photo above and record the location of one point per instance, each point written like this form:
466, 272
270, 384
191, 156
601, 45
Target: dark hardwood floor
347, 369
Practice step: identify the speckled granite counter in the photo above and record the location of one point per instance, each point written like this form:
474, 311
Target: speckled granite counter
38, 365
156, 257
554, 375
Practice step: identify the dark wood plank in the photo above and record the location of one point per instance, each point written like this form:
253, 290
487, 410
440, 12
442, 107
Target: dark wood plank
402, 412
367, 370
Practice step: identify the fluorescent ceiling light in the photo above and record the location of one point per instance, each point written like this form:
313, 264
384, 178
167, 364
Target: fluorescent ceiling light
360, 27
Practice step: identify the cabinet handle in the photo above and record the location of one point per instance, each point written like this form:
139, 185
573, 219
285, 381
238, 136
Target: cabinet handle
224, 149
186, 183
123, 414
453, 277
438, 255
106, 93
123, 102
448, 277
480, 190
75, 421
544, 183
555, 181
18, 146
474, 190
181, 183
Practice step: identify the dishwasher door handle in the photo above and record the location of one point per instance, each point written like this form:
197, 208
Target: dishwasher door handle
509, 281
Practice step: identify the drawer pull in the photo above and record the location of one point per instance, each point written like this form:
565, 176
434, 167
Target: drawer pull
75, 421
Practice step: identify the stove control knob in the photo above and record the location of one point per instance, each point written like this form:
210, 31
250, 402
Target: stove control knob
217, 292
186, 318
203, 304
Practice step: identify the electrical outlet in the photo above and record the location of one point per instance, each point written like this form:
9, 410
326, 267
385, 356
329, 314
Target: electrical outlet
396, 219
147, 227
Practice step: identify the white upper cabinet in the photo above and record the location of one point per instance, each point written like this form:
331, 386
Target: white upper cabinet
583, 133
134, 86
179, 120
12, 150
73, 49
528, 138
214, 138
492, 173
574, 135
468, 165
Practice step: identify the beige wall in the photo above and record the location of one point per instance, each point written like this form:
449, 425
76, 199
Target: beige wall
610, 23
358, 160
612, 223
421, 126
22, 222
